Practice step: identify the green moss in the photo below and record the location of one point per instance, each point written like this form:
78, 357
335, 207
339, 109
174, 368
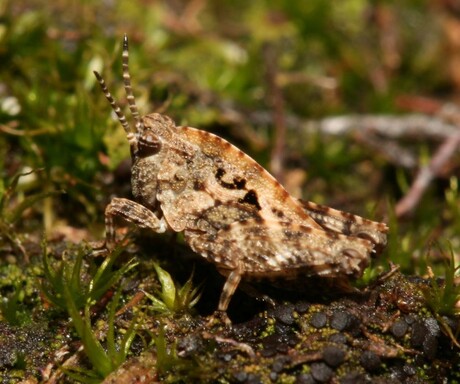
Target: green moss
443, 298
69, 280
172, 298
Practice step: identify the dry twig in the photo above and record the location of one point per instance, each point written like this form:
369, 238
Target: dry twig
426, 174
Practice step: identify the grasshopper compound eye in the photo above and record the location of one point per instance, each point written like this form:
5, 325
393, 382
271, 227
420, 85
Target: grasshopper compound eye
148, 144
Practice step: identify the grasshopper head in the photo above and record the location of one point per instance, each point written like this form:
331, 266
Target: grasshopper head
144, 136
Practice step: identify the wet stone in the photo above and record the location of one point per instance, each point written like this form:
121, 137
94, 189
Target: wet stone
227, 357
409, 370
305, 378
279, 364
318, 320
253, 379
418, 334
333, 356
321, 372
282, 330
292, 340
240, 377
338, 338
268, 352
277, 343
302, 307
273, 376
272, 341
340, 320
398, 374
369, 361
247, 330
353, 378
354, 325
282, 348
430, 346
399, 329
285, 314
432, 326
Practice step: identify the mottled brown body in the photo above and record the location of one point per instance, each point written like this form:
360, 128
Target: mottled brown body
230, 209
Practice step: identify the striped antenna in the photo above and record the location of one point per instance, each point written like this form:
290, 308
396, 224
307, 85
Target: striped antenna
127, 82
114, 104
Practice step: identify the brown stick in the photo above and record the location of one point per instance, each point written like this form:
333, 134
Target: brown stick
426, 174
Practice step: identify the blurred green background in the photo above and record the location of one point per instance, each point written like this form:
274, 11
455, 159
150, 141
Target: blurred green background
231, 67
